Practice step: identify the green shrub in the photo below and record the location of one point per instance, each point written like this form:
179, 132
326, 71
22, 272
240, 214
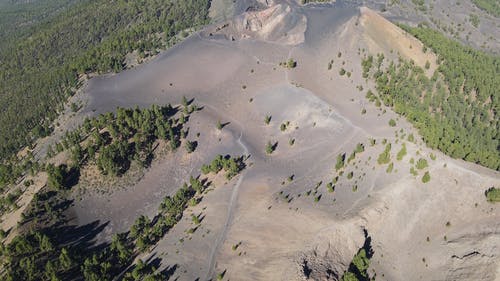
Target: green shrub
411, 138
340, 161
359, 148
267, 119
390, 168
401, 153
385, 157
270, 147
351, 157
421, 164
426, 178
493, 194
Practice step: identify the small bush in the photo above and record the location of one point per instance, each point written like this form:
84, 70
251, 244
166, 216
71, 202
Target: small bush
385, 157
359, 148
392, 123
421, 164
426, 178
270, 147
411, 138
330, 187
267, 119
351, 157
340, 161
401, 154
390, 168
492, 194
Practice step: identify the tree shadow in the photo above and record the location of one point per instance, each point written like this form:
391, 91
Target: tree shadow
222, 125
168, 272
77, 237
72, 177
368, 245
274, 146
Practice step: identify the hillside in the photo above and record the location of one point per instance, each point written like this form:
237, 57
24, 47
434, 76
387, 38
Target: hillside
38, 75
283, 141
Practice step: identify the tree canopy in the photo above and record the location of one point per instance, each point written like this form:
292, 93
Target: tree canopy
456, 109
38, 75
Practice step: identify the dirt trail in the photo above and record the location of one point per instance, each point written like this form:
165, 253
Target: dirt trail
229, 217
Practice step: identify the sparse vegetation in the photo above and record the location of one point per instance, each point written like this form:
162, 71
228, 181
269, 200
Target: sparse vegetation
474, 20
313, 1
34, 254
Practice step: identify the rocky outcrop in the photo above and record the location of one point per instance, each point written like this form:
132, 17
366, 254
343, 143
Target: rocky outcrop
331, 252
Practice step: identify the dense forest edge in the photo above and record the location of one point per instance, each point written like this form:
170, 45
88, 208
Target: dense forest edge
456, 109
42, 68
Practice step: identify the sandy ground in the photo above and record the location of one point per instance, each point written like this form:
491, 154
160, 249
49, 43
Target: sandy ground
10, 220
279, 224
